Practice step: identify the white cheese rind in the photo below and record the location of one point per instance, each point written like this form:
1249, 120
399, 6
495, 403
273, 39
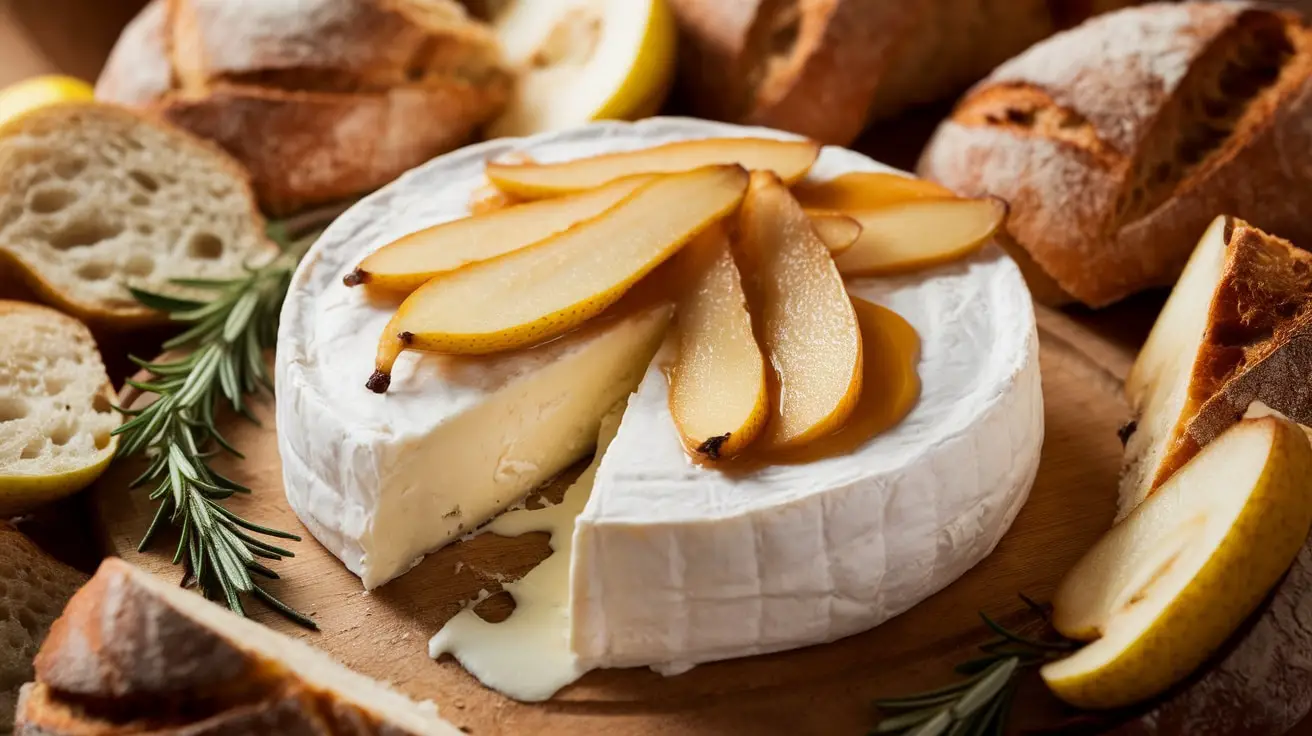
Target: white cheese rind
676, 564
381, 480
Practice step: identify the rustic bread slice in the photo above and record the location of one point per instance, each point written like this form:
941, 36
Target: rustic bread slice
94, 197
33, 590
1117, 142
56, 407
134, 654
1235, 329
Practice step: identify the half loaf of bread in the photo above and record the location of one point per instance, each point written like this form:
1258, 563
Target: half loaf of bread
94, 198
134, 654
1117, 142
319, 99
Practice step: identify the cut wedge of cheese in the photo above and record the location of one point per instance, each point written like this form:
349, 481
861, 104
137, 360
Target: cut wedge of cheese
1237, 328
804, 553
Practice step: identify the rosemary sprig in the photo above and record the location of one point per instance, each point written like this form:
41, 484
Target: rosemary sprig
224, 346
980, 704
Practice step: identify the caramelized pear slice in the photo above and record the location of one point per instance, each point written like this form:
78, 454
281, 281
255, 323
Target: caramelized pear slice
864, 190
404, 265
914, 235
789, 159
803, 316
718, 394
837, 231
540, 292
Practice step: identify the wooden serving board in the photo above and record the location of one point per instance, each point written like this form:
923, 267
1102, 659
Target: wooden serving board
819, 690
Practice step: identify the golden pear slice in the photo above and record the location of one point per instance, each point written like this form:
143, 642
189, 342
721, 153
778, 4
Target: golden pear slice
866, 191
540, 292
789, 159
837, 231
803, 316
1161, 591
404, 265
914, 235
718, 394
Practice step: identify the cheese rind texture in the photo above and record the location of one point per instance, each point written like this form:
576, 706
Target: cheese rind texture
676, 564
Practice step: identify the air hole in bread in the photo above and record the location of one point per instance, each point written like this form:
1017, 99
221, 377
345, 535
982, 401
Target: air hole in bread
62, 434
85, 231
95, 271
102, 439
32, 450
138, 200
785, 31
1017, 116
101, 404
28, 621
68, 168
54, 385
48, 200
140, 264
12, 408
144, 180
207, 246
496, 608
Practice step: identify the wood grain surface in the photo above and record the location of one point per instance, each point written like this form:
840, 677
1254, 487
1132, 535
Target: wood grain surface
818, 690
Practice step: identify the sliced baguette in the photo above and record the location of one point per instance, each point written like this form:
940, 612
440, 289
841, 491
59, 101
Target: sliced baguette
33, 589
1236, 329
134, 654
95, 197
56, 407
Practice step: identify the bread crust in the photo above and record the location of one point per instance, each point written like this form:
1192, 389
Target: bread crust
306, 148
825, 68
320, 100
1068, 131
132, 654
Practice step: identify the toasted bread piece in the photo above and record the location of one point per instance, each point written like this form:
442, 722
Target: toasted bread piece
1236, 329
33, 589
56, 407
94, 197
135, 654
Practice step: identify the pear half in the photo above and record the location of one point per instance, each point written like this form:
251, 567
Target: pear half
1160, 592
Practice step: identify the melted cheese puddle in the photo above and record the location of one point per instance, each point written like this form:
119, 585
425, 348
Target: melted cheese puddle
528, 655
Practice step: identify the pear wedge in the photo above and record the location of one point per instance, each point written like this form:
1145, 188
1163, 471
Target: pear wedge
803, 315
404, 265
864, 190
837, 231
718, 394
919, 234
532, 180
1161, 591
540, 292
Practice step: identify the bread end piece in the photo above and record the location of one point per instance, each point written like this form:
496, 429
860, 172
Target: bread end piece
131, 648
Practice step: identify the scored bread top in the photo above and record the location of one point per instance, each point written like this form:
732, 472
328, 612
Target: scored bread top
94, 198
1117, 142
56, 402
329, 45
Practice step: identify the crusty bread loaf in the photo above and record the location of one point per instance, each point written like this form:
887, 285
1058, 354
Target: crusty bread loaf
1117, 142
825, 68
135, 654
56, 407
1237, 329
33, 590
320, 100
93, 197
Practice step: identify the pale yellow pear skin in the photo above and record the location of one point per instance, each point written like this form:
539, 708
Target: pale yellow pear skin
837, 231
866, 190
1156, 618
918, 234
719, 398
